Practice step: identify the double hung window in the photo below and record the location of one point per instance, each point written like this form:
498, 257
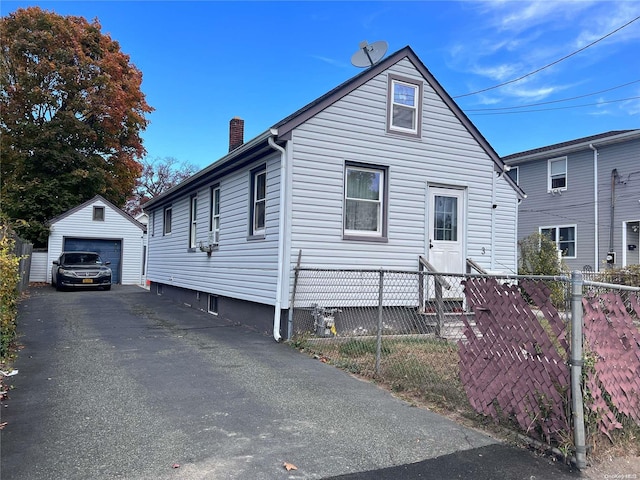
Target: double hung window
557, 178
193, 220
167, 221
214, 221
258, 201
364, 201
404, 106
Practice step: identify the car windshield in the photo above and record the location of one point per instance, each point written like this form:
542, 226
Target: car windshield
81, 259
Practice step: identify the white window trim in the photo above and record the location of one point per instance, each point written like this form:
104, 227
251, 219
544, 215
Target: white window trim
214, 221
416, 108
557, 242
365, 233
193, 220
566, 175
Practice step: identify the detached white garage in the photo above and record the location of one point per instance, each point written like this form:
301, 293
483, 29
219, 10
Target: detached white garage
99, 226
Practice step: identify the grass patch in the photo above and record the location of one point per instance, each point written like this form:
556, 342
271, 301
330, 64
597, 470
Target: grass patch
422, 369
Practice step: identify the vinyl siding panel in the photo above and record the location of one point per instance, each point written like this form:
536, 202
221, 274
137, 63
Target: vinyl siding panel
625, 158
239, 268
577, 205
354, 130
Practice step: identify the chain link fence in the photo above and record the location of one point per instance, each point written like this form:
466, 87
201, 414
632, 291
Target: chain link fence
499, 346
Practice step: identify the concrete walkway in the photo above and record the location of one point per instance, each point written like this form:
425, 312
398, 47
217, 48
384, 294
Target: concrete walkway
125, 384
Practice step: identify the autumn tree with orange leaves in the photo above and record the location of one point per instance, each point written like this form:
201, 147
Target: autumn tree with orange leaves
70, 121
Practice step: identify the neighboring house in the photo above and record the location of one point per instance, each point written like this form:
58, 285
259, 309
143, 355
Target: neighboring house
378, 171
99, 226
584, 194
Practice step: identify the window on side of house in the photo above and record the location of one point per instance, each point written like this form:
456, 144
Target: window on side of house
564, 237
212, 304
214, 220
514, 175
167, 221
258, 205
404, 104
557, 177
365, 198
193, 220
152, 223
98, 214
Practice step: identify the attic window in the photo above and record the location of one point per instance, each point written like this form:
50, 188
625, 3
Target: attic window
405, 106
98, 214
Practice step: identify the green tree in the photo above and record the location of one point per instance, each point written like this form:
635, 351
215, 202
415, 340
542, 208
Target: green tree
71, 116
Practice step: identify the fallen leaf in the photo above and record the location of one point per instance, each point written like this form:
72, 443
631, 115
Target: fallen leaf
175, 465
289, 466
4, 424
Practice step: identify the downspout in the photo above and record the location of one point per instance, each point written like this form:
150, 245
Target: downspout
281, 233
614, 176
596, 261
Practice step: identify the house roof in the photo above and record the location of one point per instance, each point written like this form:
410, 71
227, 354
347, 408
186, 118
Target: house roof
94, 200
572, 145
282, 130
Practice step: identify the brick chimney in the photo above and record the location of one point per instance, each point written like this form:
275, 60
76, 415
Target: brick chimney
236, 133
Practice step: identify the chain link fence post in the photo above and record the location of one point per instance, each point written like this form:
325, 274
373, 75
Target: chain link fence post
576, 369
379, 334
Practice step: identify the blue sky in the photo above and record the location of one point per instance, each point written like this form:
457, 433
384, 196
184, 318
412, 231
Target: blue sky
205, 62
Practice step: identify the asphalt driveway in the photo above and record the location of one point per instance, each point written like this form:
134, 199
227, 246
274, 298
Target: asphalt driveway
126, 384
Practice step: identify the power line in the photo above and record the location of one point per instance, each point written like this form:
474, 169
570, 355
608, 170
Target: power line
558, 108
550, 101
550, 64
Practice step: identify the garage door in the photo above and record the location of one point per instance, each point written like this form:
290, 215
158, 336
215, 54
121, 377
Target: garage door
109, 250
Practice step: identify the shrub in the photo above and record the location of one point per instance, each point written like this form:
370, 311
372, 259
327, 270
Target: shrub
9, 278
539, 256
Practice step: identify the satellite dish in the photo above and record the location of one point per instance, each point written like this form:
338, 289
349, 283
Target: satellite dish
369, 55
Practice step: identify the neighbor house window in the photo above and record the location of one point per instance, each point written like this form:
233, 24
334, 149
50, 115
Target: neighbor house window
214, 221
514, 175
167, 221
98, 214
258, 201
557, 168
564, 237
152, 223
404, 103
193, 220
364, 201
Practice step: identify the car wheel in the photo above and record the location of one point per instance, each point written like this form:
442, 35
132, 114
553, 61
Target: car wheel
108, 287
58, 286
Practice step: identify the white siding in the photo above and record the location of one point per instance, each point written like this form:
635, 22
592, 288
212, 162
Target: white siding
80, 224
354, 129
39, 270
239, 268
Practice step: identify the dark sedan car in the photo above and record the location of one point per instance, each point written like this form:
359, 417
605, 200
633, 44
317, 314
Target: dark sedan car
80, 270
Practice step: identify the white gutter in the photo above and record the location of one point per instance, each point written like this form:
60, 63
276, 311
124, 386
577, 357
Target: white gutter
596, 266
281, 234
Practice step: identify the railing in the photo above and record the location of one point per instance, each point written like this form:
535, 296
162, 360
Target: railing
473, 265
439, 284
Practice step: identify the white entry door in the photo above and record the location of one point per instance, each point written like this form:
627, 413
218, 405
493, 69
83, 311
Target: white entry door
446, 229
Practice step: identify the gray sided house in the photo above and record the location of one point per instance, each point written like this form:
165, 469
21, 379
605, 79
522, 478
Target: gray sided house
377, 172
584, 194
99, 226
